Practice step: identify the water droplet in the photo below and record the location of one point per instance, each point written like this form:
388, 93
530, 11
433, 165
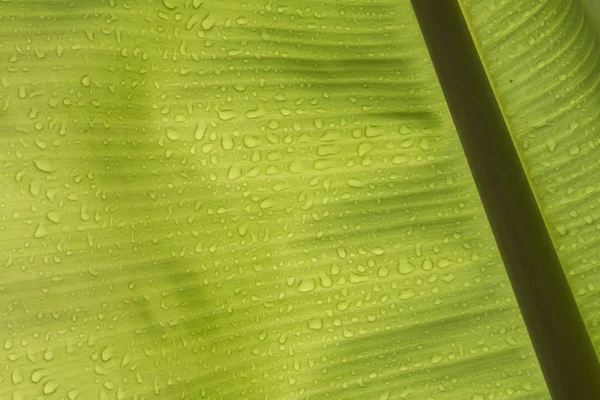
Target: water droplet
251, 141
374, 131
405, 144
17, 376
200, 130
45, 165
167, 3
328, 150
255, 113
315, 323
227, 142
399, 159
226, 115
427, 264
364, 148
235, 171
296, 166
342, 305
348, 333
306, 285
383, 272
326, 280
355, 183
378, 251
266, 203
574, 150
243, 229
107, 353
49, 355
405, 129
50, 387
54, 216
405, 268
384, 395
173, 134
209, 22
36, 376
40, 231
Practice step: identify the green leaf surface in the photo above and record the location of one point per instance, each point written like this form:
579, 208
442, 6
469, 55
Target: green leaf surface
254, 200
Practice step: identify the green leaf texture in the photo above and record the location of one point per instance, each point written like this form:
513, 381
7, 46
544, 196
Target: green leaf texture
266, 200
543, 57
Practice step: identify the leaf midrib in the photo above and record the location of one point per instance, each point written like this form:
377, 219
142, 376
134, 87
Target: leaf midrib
556, 328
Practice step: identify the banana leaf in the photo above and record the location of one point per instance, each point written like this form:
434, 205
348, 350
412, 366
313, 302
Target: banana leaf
269, 199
